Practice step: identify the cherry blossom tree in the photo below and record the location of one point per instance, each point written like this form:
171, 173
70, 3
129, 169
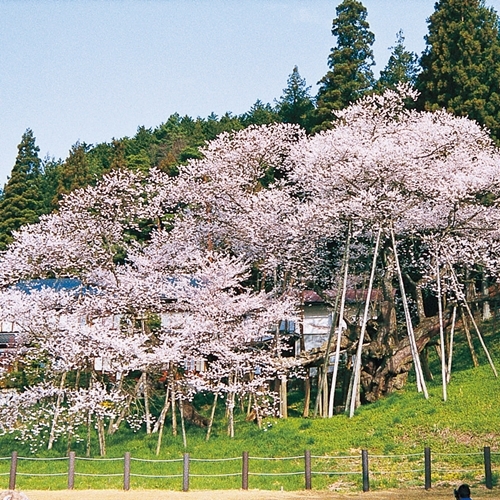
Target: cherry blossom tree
183, 281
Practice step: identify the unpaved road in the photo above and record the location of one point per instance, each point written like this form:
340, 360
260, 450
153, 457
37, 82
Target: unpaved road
419, 494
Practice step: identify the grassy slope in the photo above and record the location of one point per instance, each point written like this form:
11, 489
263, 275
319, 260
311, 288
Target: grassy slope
401, 424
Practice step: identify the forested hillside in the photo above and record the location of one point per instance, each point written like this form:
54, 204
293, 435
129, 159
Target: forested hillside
459, 70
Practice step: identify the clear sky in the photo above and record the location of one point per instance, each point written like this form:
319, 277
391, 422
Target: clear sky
91, 70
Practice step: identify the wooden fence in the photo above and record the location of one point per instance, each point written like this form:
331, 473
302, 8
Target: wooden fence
363, 472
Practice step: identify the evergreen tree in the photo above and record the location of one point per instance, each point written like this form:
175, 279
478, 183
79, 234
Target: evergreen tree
461, 63
259, 114
401, 67
49, 183
21, 202
74, 173
296, 104
350, 63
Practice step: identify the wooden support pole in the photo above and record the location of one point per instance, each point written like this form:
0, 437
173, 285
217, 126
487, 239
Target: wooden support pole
419, 374
244, 471
357, 364
366, 472
427, 466
185, 472
71, 470
461, 296
488, 478
345, 265
452, 333
126, 471
444, 375
13, 471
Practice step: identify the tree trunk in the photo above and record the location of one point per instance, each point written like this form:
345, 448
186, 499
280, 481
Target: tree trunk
56, 412
382, 372
307, 394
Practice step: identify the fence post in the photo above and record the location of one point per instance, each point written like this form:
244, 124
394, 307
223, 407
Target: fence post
13, 471
366, 473
126, 471
487, 468
427, 466
71, 470
185, 473
244, 471
307, 465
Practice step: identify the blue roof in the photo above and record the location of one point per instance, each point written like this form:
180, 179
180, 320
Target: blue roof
56, 284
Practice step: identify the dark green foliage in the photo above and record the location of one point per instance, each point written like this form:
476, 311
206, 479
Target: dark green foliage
49, 183
21, 201
260, 114
296, 104
350, 62
74, 173
401, 67
461, 64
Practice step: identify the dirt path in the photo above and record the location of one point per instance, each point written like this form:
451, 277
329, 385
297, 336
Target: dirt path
419, 494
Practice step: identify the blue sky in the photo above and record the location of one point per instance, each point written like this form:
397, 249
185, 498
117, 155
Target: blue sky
91, 70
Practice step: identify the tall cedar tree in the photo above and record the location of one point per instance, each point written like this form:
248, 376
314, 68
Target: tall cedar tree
296, 104
21, 201
401, 67
350, 63
461, 63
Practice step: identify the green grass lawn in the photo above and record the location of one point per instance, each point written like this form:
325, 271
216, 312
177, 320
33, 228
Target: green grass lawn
395, 430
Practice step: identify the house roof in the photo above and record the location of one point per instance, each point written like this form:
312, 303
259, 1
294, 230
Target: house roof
352, 296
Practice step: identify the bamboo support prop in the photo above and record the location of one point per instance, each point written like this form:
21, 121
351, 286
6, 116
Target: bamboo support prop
183, 425
461, 297
212, 415
160, 424
324, 372
57, 411
421, 387
452, 333
441, 331
357, 366
345, 266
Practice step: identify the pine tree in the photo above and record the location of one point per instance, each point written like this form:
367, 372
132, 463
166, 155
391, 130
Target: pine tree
350, 63
461, 64
296, 104
21, 201
401, 67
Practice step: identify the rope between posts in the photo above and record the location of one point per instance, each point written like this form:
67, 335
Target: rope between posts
326, 457
5, 458
42, 459
98, 475
276, 473
215, 475
333, 473
156, 477
456, 454
100, 459
398, 456
213, 459
156, 461
276, 458
41, 475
